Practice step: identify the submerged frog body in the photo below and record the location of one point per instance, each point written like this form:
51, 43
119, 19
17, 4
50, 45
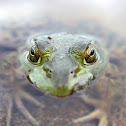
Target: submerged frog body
60, 64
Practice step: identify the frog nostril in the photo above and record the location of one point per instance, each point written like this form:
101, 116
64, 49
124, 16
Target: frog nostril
50, 71
75, 71
71, 72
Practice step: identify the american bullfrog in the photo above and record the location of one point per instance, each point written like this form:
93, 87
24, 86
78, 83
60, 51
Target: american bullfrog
61, 65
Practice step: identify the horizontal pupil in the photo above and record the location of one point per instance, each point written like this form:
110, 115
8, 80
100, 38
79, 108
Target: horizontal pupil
32, 51
92, 52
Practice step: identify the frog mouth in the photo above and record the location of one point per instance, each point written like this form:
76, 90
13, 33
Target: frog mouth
81, 86
63, 91
72, 86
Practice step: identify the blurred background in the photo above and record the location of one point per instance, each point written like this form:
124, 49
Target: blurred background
110, 13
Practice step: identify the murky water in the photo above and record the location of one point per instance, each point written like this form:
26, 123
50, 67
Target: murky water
18, 108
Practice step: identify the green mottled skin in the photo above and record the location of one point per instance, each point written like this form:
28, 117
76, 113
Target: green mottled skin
61, 70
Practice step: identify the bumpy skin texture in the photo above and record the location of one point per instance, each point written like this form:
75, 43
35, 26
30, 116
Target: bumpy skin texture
102, 96
62, 68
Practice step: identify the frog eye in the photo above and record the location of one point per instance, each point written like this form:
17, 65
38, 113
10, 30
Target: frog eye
34, 54
90, 55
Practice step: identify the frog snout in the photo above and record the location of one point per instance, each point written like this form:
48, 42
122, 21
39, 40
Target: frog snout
60, 76
61, 70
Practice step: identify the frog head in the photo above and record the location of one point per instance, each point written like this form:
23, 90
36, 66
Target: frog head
60, 64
